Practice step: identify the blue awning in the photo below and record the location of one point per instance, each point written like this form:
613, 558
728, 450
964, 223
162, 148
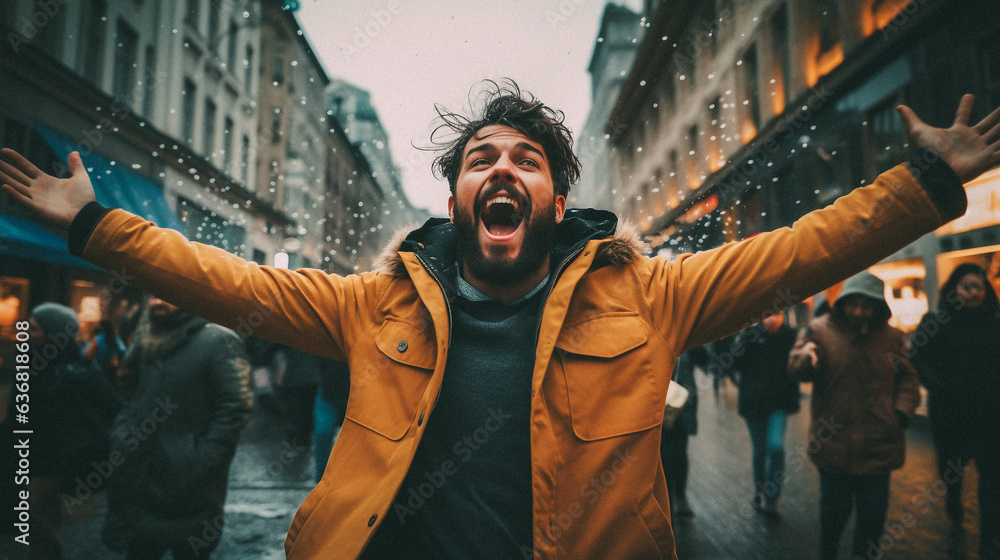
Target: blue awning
114, 187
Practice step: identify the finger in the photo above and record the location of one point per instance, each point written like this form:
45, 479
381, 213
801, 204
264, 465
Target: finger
988, 122
992, 134
964, 110
19, 192
11, 174
76, 164
910, 119
24, 165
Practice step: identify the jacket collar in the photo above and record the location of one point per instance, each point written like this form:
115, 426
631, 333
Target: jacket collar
434, 243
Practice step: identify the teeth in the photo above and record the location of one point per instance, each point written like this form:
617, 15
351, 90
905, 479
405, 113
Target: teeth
503, 199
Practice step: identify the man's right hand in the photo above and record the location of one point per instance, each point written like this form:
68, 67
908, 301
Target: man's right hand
53, 201
810, 349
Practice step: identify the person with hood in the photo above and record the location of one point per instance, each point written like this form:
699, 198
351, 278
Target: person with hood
173, 442
510, 363
864, 395
72, 407
957, 354
766, 397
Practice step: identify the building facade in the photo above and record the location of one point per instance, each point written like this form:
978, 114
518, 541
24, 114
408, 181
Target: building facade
739, 116
617, 41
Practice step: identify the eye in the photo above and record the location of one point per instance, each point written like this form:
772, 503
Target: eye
530, 162
480, 161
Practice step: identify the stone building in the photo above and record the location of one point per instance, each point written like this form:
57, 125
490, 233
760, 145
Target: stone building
739, 116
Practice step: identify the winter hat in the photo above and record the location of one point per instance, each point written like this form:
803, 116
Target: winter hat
56, 318
870, 286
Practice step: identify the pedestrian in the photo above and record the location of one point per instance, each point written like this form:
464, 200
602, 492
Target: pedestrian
767, 395
509, 364
864, 395
72, 407
176, 436
674, 439
958, 359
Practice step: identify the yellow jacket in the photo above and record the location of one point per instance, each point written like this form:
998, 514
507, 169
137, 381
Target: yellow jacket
611, 328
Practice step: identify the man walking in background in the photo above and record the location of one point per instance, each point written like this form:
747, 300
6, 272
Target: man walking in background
864, 394
177, 436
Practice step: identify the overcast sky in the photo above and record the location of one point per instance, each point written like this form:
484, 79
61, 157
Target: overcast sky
411, 54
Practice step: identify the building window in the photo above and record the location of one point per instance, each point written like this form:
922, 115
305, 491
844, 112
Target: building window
248, 70
829, 25
227, 146
187, 111
126, 51
149, 81
829, 52
276, 125
750, 105
92, 25
693, 177
231, 38
782, 50
192, 14
716, 157
208, 130
214, 14
278, 76
245, 158
989, 51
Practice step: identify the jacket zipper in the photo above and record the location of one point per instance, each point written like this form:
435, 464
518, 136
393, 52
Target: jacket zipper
447, 306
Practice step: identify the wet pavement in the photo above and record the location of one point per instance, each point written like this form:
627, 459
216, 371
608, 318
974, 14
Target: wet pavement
271, 476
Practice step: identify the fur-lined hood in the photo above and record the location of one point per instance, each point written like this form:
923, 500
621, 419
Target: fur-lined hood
622, 244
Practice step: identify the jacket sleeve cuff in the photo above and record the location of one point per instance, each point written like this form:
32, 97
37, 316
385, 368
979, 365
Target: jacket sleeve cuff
83, 226
941, 183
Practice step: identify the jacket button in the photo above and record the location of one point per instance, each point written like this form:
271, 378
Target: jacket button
401, 346
371, 520
421, 419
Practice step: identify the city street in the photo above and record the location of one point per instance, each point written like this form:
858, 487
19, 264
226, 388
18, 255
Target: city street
270, 478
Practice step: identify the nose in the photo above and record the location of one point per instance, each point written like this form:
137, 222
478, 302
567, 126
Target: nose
503, 170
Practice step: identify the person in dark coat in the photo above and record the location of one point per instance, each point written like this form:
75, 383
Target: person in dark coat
767, 395
957, 355
864, 393
173, 442
72, 406
674, 439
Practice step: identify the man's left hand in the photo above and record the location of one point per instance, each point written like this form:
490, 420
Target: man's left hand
968, 150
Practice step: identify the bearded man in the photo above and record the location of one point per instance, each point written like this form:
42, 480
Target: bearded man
509, 365
173, 442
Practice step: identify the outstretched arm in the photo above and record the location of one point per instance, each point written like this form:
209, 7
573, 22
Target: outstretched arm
53, 201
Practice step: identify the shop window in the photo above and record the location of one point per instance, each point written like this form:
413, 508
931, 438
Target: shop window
904, 291
13, 304
208, 227
885, 137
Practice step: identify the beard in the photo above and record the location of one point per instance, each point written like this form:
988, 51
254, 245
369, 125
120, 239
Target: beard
539, 232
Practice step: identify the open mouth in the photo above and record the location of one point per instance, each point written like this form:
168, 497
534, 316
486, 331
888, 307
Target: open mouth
501, 215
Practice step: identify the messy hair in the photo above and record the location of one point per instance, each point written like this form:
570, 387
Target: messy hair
505, 104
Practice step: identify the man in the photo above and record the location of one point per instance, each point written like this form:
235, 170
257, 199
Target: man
176, 436
767, 396
509, 365
864, 394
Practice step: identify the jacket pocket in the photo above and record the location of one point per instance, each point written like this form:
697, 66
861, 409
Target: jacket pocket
389, 379
609, 376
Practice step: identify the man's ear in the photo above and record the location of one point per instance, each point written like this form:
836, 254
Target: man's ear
560, 204
451, 208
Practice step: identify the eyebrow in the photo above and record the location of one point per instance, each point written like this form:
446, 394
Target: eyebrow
487, 147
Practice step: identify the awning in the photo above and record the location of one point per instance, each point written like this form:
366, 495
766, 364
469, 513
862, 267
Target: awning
28, 240
114, 187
